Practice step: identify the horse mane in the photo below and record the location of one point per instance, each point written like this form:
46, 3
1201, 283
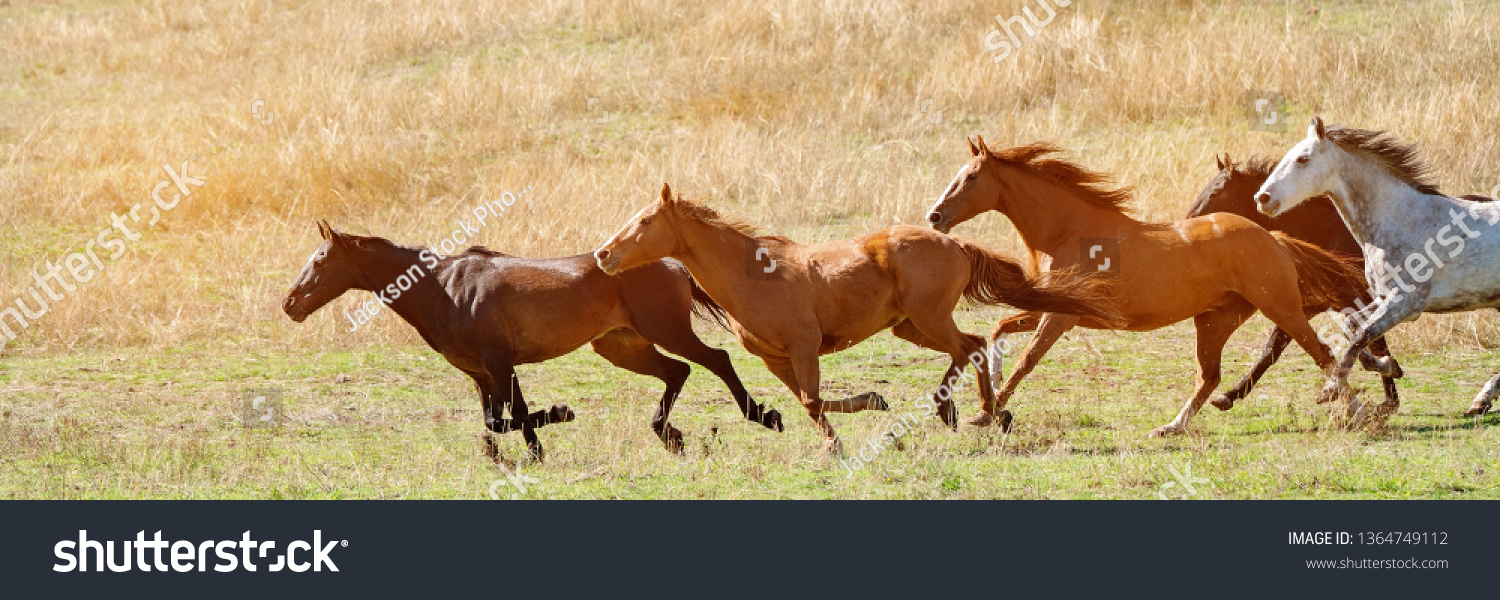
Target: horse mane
1092, 186
482, 251
700, 212
1260, 166
1399, 159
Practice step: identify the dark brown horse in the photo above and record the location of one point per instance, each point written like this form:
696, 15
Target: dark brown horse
1316, 222
487, 312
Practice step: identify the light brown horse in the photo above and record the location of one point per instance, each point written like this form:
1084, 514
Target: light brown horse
1217, 269
790, 303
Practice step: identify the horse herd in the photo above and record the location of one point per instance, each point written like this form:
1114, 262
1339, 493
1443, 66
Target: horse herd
1315, 232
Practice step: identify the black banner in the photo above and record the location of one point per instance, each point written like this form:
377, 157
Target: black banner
745, 548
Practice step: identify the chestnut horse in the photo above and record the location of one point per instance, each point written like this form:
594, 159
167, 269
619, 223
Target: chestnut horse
790, 303
1218, 269
487, 312
1316, 222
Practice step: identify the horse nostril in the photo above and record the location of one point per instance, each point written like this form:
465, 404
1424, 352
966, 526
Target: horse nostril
1262, 198
602, 254
934, 217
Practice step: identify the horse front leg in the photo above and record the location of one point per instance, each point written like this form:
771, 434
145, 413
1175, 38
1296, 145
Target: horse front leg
1214, 329
1388, 313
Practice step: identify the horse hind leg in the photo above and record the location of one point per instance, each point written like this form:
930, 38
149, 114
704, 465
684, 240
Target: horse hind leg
1276, 343
628, 350
963, 349
1214, 329
1022, 322
679, 339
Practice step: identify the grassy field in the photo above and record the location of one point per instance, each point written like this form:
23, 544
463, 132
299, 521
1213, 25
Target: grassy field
400, 423
818, 120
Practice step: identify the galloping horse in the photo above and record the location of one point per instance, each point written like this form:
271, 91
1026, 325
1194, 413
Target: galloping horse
487, 312
1383, 191
1217, 269
790, 303
1315, 222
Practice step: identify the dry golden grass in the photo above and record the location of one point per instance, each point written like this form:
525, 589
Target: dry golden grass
393, 118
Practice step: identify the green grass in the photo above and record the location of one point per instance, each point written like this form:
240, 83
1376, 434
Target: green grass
405, 425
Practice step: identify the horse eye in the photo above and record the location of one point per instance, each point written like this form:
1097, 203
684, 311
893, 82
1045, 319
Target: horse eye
645, 221
1302, 159
972, 176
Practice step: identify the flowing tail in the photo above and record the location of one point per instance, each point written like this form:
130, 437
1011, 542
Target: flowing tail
1327, 279
705, 308
998, 279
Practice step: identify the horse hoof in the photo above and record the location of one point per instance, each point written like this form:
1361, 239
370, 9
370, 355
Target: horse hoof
1222, 402
487, 444
1005, 420
982, 419
1164, 431
1476, 409
673, 440
772, 421
534, 451
948, 412
1327, 395
561, 414
880, 403
832, 448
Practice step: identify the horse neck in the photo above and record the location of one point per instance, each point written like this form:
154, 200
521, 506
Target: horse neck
1049, 215
382, 264
716, 256
1376, 205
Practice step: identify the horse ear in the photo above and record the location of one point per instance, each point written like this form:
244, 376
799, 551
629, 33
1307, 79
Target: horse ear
982, 148
666, 193
1218, 160
1316, 128
323, 229
973, 150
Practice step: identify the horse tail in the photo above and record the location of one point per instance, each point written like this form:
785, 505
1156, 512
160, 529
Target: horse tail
998, 279
1327, 279
705, 308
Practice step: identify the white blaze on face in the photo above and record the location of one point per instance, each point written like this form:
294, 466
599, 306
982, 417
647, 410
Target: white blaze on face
628, 224
953, 185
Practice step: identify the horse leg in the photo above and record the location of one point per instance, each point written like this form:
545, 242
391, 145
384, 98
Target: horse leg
501, 370
490, 399
1021, 322
1486, 397
628, 350
679, 339
1275, 345
938, 333
1051, 327
801, 376
1377, 357
1214, 328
